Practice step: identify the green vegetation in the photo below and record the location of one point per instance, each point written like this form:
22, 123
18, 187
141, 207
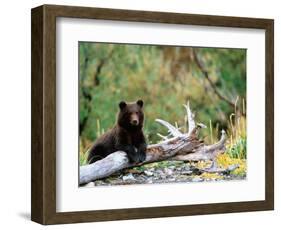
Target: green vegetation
165, 77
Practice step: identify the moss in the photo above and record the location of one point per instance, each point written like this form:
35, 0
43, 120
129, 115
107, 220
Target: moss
224, 161
211, 176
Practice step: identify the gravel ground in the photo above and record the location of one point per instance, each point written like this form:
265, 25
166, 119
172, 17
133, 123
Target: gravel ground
166, 172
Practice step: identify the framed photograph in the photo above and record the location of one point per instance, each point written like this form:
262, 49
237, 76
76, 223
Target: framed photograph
140, 114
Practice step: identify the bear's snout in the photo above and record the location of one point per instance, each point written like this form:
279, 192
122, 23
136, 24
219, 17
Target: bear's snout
135, 122
134, 119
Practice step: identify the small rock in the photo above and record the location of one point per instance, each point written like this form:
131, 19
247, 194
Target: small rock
162, 175
99, 182
187, 168
197, 179
168, 171
186, 172
128, 177
150, 181
148, 173
89, 185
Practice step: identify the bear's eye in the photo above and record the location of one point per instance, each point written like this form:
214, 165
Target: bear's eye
137, 113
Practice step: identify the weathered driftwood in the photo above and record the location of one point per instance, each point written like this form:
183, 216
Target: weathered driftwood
181, 147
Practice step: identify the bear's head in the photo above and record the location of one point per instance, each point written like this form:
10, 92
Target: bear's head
131, 115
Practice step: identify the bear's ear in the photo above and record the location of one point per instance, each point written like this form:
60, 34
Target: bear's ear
122, 105
140, 103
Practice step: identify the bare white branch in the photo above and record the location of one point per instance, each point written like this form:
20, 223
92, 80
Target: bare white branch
201, 125
171, 129
219, 144
190, 118
162, 136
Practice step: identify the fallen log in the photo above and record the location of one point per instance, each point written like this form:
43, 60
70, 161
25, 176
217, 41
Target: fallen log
181, 147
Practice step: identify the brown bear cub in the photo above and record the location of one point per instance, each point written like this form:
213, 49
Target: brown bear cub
126, 135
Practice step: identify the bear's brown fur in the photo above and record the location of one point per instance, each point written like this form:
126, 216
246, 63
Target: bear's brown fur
126, 135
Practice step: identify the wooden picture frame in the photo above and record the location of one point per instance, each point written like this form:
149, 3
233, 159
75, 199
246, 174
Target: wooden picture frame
43, 186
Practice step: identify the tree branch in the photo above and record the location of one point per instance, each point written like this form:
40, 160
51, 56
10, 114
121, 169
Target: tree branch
206, 74
99, 68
